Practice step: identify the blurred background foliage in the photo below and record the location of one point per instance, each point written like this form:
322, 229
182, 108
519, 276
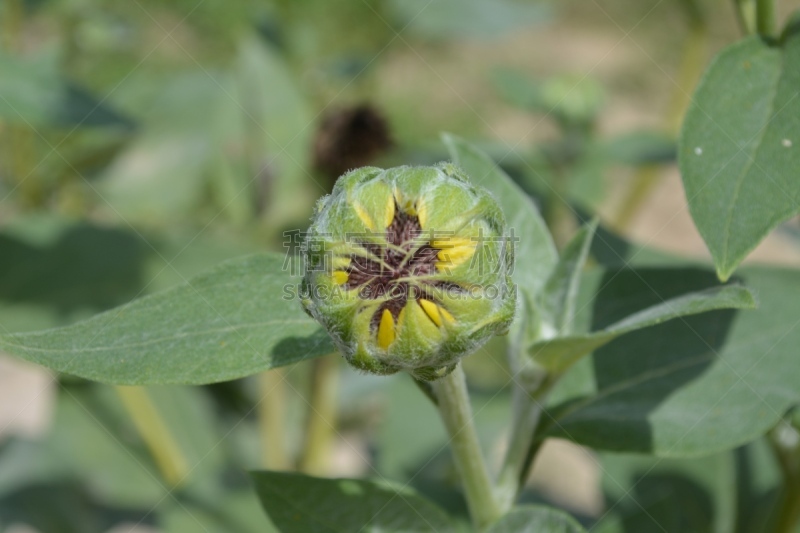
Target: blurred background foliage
142, 142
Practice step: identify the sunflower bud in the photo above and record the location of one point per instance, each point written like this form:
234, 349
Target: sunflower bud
409, 269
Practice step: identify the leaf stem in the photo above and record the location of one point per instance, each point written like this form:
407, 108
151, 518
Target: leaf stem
528, 404
272, 419
321, 422
765, 17
156, 434
525, 419
456, 413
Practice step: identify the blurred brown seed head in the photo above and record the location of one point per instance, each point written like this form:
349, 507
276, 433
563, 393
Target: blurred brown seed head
349, 138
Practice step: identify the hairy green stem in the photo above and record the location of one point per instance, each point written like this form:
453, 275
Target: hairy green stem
272, 419
456, 413
765, 17
155, 433
746, 12
321, 421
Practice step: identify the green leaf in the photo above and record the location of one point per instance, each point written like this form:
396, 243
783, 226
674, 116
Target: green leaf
33, 92
536, 254
561, 290
442, 19
688, 387
299, 503
560, 353
740, 147
536, 519
238, 319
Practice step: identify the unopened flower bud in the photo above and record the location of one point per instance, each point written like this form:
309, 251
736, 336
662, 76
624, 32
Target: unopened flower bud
409, 269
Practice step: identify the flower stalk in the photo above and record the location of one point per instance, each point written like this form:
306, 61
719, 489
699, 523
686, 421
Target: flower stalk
456, 413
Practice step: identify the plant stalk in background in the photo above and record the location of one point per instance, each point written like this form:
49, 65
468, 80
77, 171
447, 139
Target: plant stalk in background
272, 419
321, 422
155, 433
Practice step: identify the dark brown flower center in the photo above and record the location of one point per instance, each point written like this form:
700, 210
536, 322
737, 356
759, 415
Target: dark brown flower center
396, 270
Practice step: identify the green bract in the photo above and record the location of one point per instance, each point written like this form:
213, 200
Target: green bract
409, 268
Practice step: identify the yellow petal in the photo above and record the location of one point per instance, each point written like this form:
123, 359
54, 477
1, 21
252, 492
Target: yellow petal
388, 215
436, 313
386, 330
454, 251
340, 277
448, 243
364, 216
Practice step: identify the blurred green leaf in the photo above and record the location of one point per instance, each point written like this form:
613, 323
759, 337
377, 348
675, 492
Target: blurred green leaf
34, 93
180, 255
69, 510
82, 447
443, 19
407, 411
161, 176
641, 148
81, 266
299, 503
278, 129
740, 147
238, 319
536, 254
688, 387
760, 484
586, 182
560, 353
516, 88
536, 519
611, 250
157, 178
649, 495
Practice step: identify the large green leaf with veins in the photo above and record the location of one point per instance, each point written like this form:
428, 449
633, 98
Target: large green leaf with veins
237, 319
